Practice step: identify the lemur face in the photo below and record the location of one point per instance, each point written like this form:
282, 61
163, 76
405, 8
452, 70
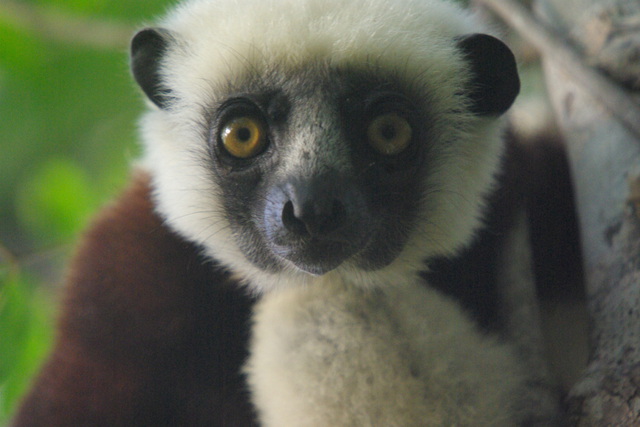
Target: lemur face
323, 169
292, 157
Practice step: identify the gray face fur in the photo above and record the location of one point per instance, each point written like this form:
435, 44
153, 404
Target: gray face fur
317, 195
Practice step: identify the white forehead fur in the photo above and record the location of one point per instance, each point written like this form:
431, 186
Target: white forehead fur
218, 40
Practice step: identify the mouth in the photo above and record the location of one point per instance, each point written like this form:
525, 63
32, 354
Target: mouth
318, 256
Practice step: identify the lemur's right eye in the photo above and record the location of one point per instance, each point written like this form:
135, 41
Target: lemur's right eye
244, 137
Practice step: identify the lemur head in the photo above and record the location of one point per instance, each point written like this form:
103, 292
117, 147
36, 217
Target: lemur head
302, 139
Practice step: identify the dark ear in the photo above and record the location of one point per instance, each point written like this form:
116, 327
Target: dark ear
494, 83
147, 48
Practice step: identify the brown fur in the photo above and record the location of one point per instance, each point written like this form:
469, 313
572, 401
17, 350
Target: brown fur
150, 333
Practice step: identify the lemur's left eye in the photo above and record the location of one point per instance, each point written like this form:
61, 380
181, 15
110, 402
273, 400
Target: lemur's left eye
389, 134
244, 137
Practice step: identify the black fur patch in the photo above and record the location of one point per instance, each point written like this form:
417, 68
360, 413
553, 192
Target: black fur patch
495, 83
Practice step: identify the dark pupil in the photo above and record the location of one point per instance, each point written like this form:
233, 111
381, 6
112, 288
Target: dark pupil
244, 134
388, 131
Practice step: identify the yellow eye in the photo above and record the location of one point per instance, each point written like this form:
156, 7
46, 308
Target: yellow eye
244, 137
389, 134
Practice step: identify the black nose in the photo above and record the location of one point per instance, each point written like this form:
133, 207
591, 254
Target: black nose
316, 218
316, 223
319, 208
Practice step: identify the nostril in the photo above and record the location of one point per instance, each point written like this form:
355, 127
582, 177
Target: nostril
314, 219
291, 222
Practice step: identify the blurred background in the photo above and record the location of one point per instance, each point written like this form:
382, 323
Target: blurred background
68, 112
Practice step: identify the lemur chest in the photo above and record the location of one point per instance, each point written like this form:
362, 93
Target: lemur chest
354, 357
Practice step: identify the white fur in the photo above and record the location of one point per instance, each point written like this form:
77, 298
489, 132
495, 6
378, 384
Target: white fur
336, 355
222, 39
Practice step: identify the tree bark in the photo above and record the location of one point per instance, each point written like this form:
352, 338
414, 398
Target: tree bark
605, 161
592, 69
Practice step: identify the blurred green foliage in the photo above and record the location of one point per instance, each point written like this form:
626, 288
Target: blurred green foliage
68, 111
25, 334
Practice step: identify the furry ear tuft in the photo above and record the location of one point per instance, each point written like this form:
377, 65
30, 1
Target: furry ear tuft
495, 82
147, 49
